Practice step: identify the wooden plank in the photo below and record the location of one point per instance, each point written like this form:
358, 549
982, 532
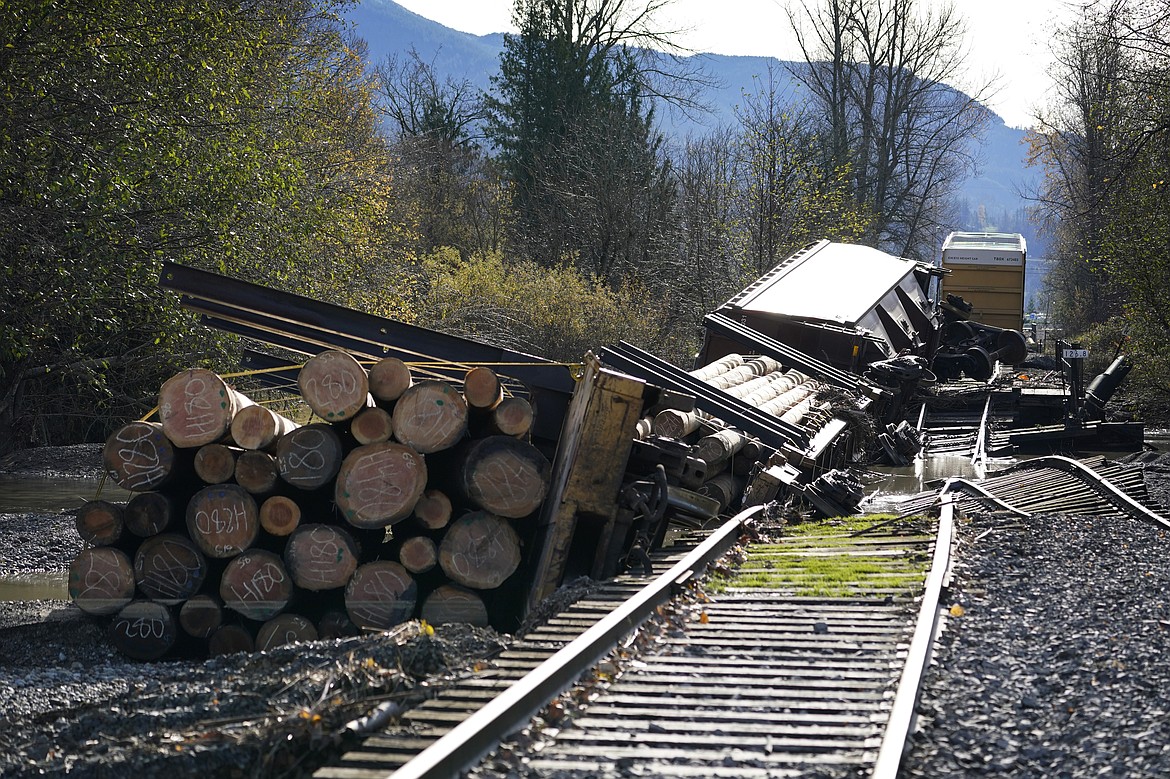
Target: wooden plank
588, 468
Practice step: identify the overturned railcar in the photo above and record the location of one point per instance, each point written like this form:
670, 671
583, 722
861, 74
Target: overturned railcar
845, 304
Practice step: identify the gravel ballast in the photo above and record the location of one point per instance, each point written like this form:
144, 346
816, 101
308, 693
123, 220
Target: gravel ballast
1059, 665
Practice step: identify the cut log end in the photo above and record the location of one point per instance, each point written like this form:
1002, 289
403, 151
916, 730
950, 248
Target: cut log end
310, 456
223, 520
200, 616
257, 472
284, 629
418, 554
379, 484
389, 378
101, 580
150, 513
169, 568
144, 630
430, 416
215, 463
100, 522
256, 585
334, 385
258, 428
320, 557
372, 426
380, 595
433, 510
505, 476
229, 639
482, 388
451, 604
480, 550
280, 515
196, 407
139, 457
512, 417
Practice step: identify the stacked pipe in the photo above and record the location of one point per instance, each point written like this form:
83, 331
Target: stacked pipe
247, 530
724, 455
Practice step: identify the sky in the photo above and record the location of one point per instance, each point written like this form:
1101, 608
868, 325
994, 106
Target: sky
1008, 38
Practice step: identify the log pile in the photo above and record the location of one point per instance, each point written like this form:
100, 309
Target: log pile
406, 498
720, 461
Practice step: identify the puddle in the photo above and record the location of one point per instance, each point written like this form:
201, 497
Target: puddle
22, 494
48, 586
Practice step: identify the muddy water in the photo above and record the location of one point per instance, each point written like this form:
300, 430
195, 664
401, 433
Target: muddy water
46, 496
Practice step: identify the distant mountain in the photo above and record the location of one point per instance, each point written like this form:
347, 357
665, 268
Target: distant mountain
993, 196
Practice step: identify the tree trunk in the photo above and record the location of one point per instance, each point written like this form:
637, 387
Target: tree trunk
196, 407
200, 616
334, 385
389, 378
380, 595
257, 472
675, 424
309, 457
379, 484
100, 522
284, 629
430, 416
144, 630
433, 510
720, 446
280, 515
257, 428
418, 554
223, 520
150, 513
482, 389
452, 604
372, 426
139, 457
724, 488
101, 580
320, 557
718, 367
479, 550
169, 568
504, 476
256, 585
215, 463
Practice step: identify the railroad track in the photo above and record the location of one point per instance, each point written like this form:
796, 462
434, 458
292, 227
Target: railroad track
779, 672
1050, 485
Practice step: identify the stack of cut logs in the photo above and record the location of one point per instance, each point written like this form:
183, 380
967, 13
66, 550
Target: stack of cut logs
247, 530
722, 457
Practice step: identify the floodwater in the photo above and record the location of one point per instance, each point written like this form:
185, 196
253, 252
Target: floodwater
895, 484
46, 496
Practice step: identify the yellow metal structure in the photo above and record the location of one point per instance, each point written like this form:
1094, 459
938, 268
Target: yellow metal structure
987, 271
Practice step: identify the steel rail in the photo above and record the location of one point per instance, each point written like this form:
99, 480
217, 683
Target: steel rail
1098, 483
949, 487
480, 732
979, 455
902, 711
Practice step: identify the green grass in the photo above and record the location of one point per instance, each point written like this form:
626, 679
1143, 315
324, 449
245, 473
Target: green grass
844, 566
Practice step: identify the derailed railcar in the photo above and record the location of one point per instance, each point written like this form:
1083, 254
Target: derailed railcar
845, 304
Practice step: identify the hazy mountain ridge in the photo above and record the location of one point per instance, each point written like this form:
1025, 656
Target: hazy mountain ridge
996, 190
